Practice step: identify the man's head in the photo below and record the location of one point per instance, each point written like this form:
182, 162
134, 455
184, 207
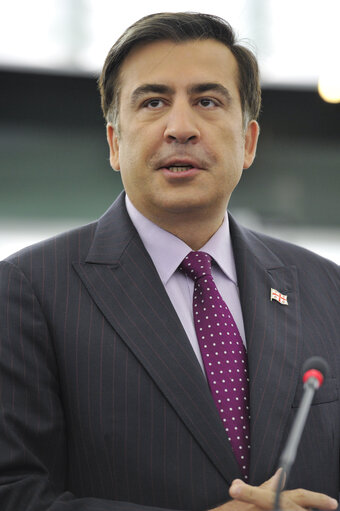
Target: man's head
179, 27
180, 114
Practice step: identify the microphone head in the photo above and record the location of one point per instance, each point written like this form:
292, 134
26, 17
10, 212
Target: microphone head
315, 366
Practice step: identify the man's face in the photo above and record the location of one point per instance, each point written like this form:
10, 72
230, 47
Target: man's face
182, 144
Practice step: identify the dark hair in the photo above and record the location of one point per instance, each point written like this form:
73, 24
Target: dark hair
178, 27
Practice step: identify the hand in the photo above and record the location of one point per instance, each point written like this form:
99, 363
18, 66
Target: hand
253, 498
239, 505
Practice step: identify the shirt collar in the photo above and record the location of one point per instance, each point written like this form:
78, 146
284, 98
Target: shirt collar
167, 251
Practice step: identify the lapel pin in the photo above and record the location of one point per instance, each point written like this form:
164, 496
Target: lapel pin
279, 297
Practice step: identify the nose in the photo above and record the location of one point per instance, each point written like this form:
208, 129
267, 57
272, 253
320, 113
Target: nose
181, 124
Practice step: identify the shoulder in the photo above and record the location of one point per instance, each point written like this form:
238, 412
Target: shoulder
66, 247
53, 258
273, 251
315, 272
294, 254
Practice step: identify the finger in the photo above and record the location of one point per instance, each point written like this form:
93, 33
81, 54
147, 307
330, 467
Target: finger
271, 484
293, 499
260, 497
306, 498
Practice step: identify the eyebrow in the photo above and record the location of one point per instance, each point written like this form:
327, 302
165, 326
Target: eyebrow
210, 86
158, 88
147, 88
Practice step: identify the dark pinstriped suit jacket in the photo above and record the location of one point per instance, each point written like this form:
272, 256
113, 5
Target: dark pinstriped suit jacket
103, 403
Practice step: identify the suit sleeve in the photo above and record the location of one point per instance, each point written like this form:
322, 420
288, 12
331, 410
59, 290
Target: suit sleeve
33, 437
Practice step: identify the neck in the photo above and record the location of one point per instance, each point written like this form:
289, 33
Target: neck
194, 230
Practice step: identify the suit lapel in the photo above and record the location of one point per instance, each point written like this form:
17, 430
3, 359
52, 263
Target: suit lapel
273, 343
122, 280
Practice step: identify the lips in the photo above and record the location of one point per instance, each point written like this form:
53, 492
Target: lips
180, 165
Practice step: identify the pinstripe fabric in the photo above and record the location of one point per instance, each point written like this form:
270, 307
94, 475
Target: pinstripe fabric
279, 339
103, 403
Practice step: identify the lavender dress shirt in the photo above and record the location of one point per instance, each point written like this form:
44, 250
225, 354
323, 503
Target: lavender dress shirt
167, 252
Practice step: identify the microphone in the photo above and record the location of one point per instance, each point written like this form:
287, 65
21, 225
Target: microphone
314, 370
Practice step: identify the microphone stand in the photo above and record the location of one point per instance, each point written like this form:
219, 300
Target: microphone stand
289, 453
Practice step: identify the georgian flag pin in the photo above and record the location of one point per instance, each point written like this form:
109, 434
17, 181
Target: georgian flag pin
279, 297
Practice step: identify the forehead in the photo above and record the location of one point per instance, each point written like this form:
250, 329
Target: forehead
179, 64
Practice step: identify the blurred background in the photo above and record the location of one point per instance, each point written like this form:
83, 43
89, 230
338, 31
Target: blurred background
54, 167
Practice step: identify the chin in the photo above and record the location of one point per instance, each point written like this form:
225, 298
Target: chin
188, 206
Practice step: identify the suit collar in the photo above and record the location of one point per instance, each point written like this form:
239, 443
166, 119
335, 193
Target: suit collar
113, 234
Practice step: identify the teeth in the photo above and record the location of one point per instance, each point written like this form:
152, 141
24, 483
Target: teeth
179, 169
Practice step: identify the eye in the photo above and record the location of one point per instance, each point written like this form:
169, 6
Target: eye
153, 103
208, 102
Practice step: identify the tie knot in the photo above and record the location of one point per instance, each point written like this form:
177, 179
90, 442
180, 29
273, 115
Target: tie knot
196, 265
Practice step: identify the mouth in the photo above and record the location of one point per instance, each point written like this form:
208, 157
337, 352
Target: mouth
179, 168
180, 172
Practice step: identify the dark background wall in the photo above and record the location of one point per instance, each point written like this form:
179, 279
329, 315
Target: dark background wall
54, 157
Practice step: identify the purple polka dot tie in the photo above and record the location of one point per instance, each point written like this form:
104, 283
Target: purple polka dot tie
223, 353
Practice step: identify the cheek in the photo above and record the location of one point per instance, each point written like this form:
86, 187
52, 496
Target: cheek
234, 148
134, 171
137, 145
128, 150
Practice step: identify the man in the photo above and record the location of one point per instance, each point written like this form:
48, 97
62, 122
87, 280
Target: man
106, 396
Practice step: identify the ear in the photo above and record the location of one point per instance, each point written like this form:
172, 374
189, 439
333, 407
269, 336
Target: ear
112, 140
251, 138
